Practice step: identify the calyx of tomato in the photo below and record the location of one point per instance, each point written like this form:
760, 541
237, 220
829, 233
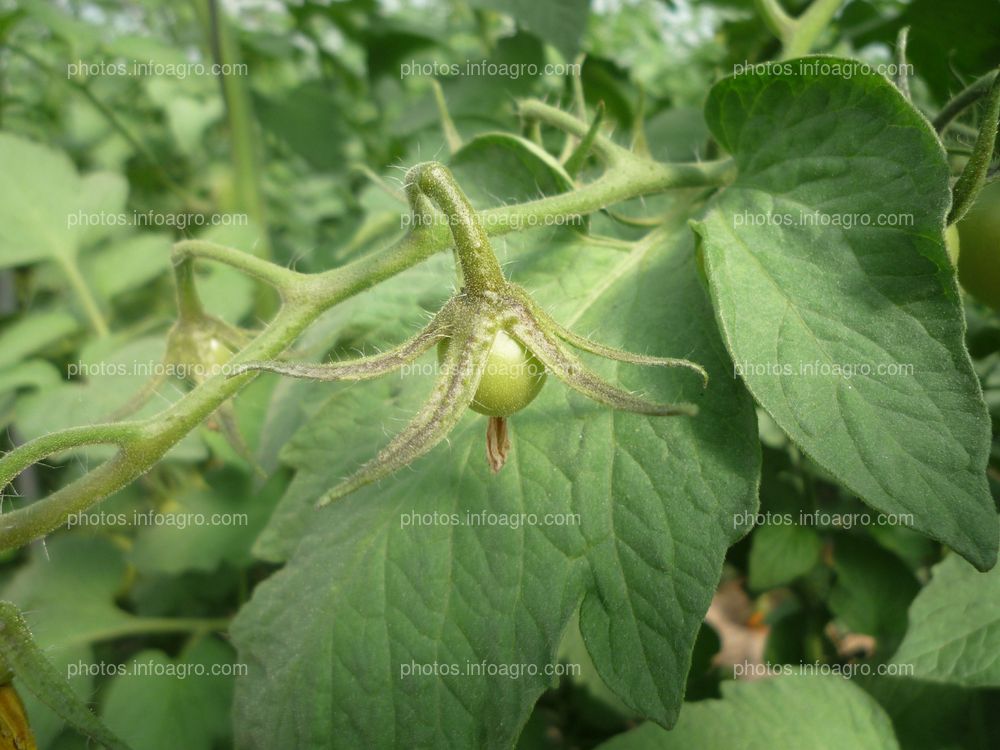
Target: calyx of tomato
488, 310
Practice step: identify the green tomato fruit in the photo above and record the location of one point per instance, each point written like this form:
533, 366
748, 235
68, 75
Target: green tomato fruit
512, 379
952, 243
979, 262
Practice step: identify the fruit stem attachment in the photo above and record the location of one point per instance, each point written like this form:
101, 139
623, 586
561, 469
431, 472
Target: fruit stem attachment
480, 269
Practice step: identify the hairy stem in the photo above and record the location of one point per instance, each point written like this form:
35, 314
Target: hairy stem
973, 176
480, 268
279, 277
963, 100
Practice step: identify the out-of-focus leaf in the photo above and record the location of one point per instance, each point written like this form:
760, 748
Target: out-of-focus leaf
163, 703
560, 22
954, 632
127, 263
782, 713
34, 332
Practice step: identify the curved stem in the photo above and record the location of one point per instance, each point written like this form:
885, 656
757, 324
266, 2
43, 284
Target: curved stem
963, 100
778, 21
974, 175
797, 35
608, 150
902, 79
26, 454
189, 307
809, 26
156, 436
281, 278
480, 267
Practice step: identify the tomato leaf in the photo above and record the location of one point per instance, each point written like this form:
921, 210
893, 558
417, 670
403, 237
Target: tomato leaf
378, 594
784, 713
954, 633
850, 336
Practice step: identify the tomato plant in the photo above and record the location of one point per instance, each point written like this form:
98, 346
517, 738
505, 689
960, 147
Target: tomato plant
273, 274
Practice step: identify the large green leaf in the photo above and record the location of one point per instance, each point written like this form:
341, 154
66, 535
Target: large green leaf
851, 338
372, 592
783, 713
954, 633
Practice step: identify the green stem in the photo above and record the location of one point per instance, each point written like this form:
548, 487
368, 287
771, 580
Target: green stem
109, 114
579, 156
26, 454
603, 146
797, 35
82, 289
189, 307
777, 20
963, 100
808, 27
973, 176
156, 436
451, 134
281, 278
480, 268
239, 115
902, 74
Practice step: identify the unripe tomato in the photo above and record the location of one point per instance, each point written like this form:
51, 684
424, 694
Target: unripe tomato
512, 379
979, 262
952, 243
